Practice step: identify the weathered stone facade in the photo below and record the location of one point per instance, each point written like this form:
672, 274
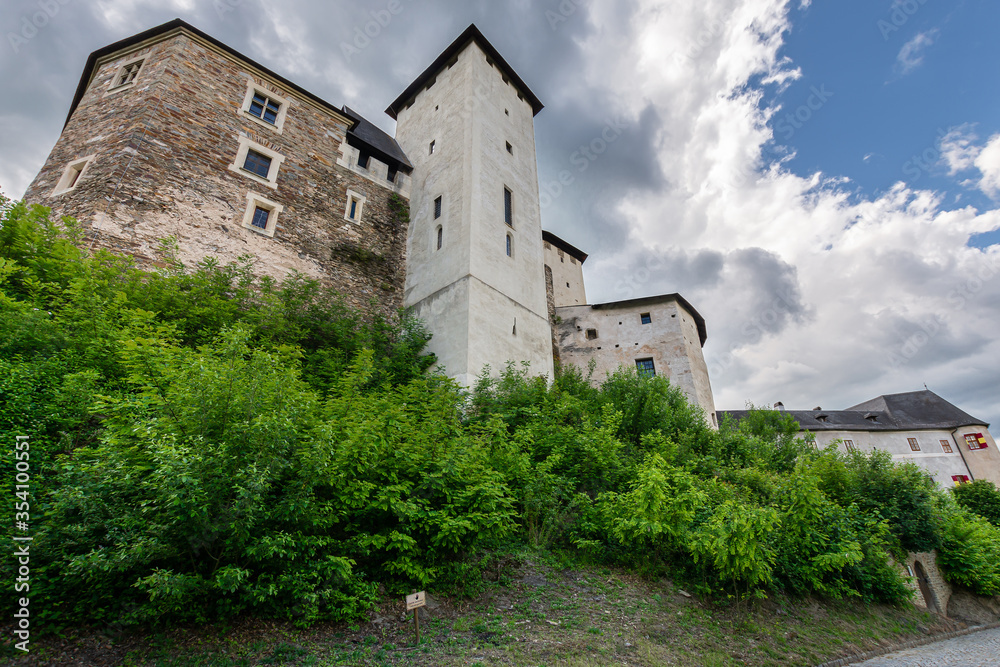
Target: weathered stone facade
165, 164
930, 590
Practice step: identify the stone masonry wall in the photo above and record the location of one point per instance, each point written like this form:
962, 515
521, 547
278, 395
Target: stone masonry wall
940, 589
163, 151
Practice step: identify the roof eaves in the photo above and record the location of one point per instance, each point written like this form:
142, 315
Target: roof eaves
471, 34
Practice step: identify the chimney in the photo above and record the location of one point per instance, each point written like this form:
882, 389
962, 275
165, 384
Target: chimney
779, 406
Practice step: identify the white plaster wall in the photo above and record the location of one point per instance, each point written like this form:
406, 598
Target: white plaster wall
622, 339
463, 113
567, 277
983, 463
931, 456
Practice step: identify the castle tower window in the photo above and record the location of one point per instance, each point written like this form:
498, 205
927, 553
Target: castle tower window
72, 174
975, 441
914, 445
510, 245
355, 205
431, 147
363, 159
126, 75
391, 173
264, 107
257, 163
591, 334
510, 149
645, 367
261, 214
646, 318
440, 237
437, 208
508, 207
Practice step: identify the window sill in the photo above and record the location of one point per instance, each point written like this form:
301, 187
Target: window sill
254, 177
260, 121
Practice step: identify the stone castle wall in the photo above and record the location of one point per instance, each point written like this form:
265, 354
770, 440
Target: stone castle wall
163, 151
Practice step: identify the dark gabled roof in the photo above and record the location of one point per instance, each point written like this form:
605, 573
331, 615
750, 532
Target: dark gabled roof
914, 411
572, 251
163, 29
381, 145
651, 300
921, 409
471, 34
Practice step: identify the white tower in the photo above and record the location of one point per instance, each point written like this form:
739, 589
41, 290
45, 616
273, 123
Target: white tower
474, 253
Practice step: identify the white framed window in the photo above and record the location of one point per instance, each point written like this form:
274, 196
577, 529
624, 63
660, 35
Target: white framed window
127, 75
355, 206
257, 162
72, 175
261, 214
264, 107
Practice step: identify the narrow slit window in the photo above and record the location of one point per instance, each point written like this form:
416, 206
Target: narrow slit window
510, 246
391, 173
440, 237
363, 159
437, 208
508, 207
431, 147
510, 149
354, 209
257, 163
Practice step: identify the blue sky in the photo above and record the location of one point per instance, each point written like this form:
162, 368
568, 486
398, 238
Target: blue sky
887, 112
829, 265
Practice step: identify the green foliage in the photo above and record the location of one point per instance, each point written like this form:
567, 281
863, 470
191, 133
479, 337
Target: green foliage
980, 497
969, 551
206, 443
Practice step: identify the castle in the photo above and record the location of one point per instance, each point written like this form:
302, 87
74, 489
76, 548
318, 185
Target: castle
171, 133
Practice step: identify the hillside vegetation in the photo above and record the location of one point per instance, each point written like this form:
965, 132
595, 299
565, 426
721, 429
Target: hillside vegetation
206, 444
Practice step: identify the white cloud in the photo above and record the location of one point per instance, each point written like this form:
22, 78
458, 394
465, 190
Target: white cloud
988, 162
886, 294
911, 55
958, 149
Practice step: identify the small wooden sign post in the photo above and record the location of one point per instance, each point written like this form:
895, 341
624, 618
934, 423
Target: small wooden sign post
415, 602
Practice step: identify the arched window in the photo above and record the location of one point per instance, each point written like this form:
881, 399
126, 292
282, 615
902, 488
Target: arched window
510, 245
440, 237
